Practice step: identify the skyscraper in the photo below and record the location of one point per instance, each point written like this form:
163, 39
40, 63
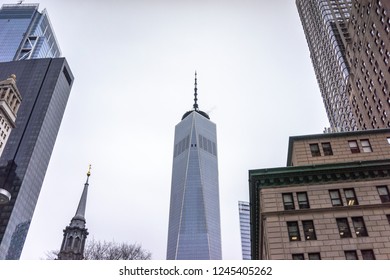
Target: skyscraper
194, 231
26, 33
44, 85
349, 48
245, 226
75, 235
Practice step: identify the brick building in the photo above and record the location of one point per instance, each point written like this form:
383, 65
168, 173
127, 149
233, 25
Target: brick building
349, 44
332, 200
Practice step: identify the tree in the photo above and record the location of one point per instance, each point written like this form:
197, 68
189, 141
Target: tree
97, 250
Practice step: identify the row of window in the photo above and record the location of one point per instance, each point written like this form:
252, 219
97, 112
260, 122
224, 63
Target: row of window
309, 232
327, 148
204, 143
366, 255
207, 145
335, 198
349, 255
182, 146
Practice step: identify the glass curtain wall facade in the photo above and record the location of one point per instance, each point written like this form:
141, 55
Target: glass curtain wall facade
245, 228
44, 85
194, 231
26, 33
325, 26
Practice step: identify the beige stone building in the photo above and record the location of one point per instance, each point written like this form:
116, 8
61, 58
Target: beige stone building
331, 202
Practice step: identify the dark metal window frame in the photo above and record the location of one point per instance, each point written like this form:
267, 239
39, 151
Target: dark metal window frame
288, 205
354, 149
293, 231
315, 150
338, 199
314, 256
368, 254
303, 204
298, 256
351, 200
359, 226
343, 226
327, 149
366, 145
384, 197
308, 230
350, 253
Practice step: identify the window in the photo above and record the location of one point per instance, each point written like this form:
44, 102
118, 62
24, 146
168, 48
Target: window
288, 201
366, 146
368, 255
335, 198
303, 201
298, 257
350, 255
308, 230
388, 140
383, 193
350, 196
327, 148
315, 150
342, 224
314, 256
388, 218
353, 145
360, 228
293, 231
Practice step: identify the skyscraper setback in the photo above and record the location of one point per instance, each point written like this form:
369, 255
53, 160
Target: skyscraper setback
349, 46
26, 33
194, 231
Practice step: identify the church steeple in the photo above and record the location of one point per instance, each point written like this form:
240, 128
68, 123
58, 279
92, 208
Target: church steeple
195, 106
75, 234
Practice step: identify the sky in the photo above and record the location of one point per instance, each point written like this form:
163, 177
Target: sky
134, 64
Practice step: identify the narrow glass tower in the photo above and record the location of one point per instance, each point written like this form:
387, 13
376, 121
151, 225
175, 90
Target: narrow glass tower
194, 231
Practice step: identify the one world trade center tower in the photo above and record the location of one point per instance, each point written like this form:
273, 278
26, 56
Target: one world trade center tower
194, 218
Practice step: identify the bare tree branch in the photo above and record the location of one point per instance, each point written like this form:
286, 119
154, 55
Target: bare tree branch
97, 250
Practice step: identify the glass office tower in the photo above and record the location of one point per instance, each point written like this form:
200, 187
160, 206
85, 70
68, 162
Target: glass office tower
194, 219
44, 85
245, 229
26, 33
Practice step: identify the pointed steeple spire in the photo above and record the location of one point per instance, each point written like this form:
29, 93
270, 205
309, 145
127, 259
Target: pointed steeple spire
75, 234
80, 212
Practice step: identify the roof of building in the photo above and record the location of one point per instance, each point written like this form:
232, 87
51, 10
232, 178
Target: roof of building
292, 139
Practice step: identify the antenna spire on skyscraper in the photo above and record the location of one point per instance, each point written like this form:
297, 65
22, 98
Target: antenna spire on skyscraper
196, 95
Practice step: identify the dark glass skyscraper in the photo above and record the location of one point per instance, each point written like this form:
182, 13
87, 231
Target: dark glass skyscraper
194, 219
44, 85
26, 33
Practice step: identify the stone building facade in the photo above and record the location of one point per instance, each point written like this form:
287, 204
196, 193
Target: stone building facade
332, 200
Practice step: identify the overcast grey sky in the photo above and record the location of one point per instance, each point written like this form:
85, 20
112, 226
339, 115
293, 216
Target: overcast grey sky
134, 64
